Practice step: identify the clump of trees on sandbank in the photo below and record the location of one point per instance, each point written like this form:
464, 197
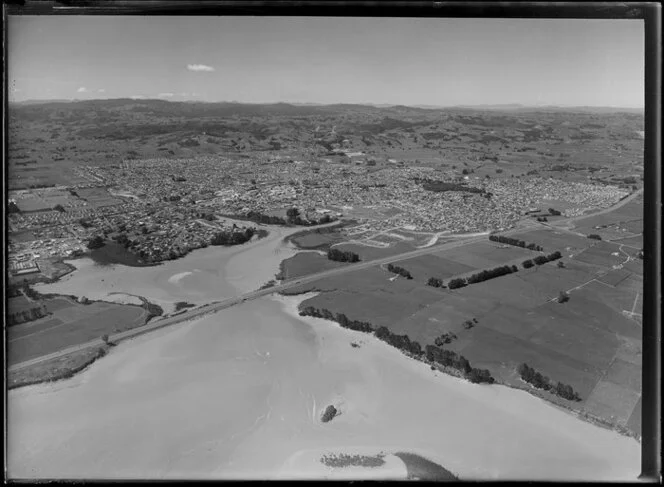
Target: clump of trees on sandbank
346, 460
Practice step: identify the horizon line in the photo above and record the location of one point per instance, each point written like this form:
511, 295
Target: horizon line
295, 103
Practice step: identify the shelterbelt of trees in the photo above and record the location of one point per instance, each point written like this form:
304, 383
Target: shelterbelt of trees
433, 354
342, 256
485, 275
536, 379
399, 270
515, 241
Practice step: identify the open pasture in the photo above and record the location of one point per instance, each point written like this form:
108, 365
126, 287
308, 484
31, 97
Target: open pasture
21, 236
602, 254
305, 263
502, 353
612, 230
612, 401
98, 197
601, 307
614, 277
447, 314
635, 241
485, 255
634, 422
19, 304
552, 240
57, 304
625, 374
317, 240
70, 326
635, 266
370, 253
566, 330
527, 288
43, 200
379, 307
426, 266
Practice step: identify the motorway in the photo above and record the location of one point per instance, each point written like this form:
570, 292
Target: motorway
200, 311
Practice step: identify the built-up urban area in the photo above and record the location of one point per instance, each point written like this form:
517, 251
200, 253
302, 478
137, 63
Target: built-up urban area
163, 208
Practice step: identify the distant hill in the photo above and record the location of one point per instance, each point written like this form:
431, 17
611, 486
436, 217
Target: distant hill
223, 109
549, 108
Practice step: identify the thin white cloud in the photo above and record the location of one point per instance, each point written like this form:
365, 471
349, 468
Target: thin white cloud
137, 97
101, 90
165, 95
82, 89
199, 67
184, 94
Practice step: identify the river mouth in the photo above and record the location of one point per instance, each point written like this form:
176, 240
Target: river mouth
237, 393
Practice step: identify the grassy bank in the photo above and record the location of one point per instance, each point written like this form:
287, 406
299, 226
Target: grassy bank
55, 369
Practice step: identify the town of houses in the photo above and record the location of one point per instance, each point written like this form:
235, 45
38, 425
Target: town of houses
168, 207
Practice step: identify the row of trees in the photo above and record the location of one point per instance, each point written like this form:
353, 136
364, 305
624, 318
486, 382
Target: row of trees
487, 274
404, 343
457, 283
26, 315
542, 259
436, 282
342, 256
399, 270
340, 318
515, 241
540, 381
401, 342
448, 358
232, 238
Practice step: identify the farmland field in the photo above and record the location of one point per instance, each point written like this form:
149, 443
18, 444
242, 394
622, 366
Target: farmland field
580, 343
601, 254
370, 253
305, 263
484, 255
635, 241
18, 304
98, 197
426, 266
552, 240
68, 326
315, 240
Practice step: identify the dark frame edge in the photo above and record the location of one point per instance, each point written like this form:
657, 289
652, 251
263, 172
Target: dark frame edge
652, 270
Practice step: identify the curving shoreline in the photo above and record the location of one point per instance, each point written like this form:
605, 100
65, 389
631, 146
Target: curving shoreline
283, 369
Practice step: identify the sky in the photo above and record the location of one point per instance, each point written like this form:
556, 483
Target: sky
404, 61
